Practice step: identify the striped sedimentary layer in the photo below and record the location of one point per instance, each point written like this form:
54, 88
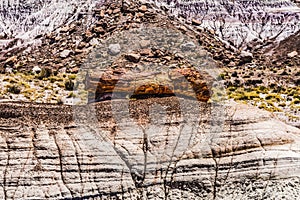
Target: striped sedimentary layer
150, 148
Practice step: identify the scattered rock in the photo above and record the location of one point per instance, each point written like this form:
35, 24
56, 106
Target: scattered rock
117, 10
292, 54
94, 42
143, 8
3, 35
182, 28
232, 64
246, 57
145, 43
196, 22
65, 53
78, 51
138, 15
74, 70
133, 57
81, 45
62, 70
64, 29
114, 49
8, 70
211, 31
189, 46
99, 30
146, 52
88, 34
36, 69
11, 59
102, 13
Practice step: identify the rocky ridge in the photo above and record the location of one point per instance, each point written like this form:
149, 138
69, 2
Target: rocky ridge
63, 52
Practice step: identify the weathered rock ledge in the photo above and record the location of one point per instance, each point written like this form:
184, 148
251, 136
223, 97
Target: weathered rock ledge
167, 149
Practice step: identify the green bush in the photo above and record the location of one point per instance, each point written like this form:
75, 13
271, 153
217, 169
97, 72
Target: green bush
13, 89
45, 73
273, 96
69, 85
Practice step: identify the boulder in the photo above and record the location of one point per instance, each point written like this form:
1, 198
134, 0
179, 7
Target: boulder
245, 57
65, 53
133, 57
114, 49
292, 54
196, 22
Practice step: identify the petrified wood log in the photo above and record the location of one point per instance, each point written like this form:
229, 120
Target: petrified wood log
177, 82
55, 152
157, 74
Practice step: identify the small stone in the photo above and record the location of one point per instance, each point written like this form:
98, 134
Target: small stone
189, 46
74, 70
99, 30
292, 54
36, 69
232, 64
94, 42
109, 11
65, 29
246, 57
196, 22
65, 53
145, 43
78, 51
88, 33
62, 70
8, 70
117, 10
114, 49
82, 45
178, 55
211, 31
167, 58
146, 52
143, 8
138, 15
102, 13
133, 57
3, 35
183, 28
11, 60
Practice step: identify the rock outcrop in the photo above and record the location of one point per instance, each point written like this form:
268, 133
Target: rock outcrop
160, 148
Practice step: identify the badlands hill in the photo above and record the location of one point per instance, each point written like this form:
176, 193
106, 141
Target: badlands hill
166, 126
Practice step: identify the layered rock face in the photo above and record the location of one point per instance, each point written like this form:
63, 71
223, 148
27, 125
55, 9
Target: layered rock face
239, 21
157, 148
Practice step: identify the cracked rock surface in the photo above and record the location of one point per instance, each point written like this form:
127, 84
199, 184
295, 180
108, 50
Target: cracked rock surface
166, 148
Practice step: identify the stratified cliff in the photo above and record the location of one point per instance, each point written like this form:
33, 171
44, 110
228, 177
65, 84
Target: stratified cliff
160, 152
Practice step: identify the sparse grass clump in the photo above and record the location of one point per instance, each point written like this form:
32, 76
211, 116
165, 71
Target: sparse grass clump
69, 85
13, 89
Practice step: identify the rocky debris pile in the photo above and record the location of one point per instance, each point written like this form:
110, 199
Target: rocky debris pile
65, 51
252, 156
288, 51
67, 47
